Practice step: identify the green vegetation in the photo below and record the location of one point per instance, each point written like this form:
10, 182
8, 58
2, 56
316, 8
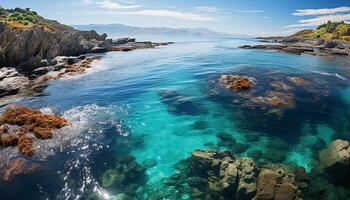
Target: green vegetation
25, 18
327, 31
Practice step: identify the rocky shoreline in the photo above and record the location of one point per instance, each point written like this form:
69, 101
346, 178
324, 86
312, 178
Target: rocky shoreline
312, 47
58, 54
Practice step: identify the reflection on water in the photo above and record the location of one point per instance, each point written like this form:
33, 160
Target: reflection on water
142, 112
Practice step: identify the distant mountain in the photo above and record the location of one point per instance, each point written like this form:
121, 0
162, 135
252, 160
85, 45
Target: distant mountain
120, 30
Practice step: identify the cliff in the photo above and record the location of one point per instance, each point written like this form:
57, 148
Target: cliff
30, 44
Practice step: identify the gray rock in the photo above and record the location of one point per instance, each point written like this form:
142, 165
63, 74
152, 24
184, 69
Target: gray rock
11, 82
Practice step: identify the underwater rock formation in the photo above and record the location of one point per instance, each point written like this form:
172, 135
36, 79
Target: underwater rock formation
220, 175
335, 160
179, 104
19, 166
21, 124
127, 176
278, 98
236, 83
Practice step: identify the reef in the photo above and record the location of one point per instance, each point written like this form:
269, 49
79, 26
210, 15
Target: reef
22, 127
272, 99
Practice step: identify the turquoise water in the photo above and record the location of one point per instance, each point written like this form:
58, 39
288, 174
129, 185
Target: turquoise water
118, 108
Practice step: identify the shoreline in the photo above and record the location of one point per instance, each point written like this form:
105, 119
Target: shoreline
312, 47
15, 83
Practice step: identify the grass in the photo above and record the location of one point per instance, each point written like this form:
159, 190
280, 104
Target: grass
19, 18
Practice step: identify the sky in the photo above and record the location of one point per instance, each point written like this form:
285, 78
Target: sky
248, 17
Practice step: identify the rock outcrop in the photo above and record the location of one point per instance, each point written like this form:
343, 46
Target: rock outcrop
11, 82
22, 127
241, 178
335, 160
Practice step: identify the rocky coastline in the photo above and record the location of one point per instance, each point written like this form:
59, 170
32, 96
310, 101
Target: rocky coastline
31, 57
316, 47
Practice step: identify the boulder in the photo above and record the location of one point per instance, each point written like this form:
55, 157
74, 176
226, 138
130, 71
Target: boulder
335, 160
276, 185
11, 82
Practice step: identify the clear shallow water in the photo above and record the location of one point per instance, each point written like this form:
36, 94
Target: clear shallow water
117, 109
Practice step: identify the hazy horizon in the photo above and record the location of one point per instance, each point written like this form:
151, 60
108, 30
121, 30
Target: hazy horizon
253, 18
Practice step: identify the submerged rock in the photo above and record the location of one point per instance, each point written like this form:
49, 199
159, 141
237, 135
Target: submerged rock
236, 83
276, 185
335, 159
19, 166
180, 104
127, 176
149, 163
298, 81
220, 175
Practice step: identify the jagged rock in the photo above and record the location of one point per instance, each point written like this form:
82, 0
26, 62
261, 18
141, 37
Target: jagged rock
298, 81
27, 48
335, 159
276, 185
11, 82
247, 179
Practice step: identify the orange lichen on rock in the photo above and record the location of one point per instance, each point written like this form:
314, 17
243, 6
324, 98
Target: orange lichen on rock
22, 116
20, 121
298, 81
25, 145
236, 83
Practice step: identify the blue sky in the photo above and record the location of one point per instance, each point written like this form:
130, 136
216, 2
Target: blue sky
251, 17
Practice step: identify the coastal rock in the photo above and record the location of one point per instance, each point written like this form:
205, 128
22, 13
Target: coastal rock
236, 83
11, 82
335, 159
20, 123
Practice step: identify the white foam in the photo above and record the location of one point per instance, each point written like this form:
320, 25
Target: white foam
330, 74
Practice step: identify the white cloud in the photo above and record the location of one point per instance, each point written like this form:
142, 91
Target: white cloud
115, 5
249, 11
108, 4
324, 11
207, 9
129, 9
316, 21
161, 13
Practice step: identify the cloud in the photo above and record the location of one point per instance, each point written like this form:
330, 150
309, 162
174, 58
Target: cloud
126, 9
108, 4
324, 11
249, 11
163, 13
316, 21
207, 9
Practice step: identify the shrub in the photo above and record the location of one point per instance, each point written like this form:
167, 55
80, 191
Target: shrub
19, 18
28, 18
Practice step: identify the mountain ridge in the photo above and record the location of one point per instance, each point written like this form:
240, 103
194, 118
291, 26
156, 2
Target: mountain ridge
117, 29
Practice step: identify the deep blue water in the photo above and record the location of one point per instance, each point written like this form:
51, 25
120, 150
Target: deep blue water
118, 108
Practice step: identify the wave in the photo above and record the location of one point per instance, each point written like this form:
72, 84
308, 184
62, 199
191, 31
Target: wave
330, 74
